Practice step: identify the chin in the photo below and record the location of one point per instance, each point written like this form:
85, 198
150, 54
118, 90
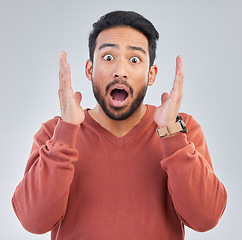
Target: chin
118, 114
122, 113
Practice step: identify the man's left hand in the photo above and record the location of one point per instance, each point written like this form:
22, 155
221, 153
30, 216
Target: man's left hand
166, 113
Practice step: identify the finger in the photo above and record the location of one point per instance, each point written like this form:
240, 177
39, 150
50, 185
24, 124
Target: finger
62, 58
178, 81
179, 64
164, 97
62, 61
67, 76
64, 72
179, 71
78, 97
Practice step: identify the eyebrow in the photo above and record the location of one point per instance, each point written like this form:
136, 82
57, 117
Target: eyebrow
137, 49
104, 45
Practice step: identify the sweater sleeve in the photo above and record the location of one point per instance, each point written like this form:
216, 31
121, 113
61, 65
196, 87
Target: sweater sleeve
40, 199
198, 196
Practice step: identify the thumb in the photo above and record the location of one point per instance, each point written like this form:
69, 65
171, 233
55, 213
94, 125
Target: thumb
78, 97
164, 97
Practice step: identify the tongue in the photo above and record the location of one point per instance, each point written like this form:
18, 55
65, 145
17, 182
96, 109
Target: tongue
119, 95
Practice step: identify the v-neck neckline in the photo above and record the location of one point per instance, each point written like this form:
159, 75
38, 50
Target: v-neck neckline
121, 141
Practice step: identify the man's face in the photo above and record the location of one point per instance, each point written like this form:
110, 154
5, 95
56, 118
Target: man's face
120, 72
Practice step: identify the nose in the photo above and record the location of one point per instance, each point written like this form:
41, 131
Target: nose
120, 70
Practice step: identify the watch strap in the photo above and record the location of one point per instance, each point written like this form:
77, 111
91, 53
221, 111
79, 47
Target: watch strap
174, 128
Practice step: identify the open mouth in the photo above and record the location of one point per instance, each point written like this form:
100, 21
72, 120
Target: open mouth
119, 95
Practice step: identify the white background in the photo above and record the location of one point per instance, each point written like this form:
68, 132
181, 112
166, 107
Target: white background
207, 33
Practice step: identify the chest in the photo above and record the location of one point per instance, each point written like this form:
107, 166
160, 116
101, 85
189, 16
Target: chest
104, 166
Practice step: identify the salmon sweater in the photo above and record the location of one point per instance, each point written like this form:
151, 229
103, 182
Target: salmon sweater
85, 183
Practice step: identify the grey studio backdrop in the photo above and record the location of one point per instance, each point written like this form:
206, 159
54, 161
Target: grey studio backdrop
207, 33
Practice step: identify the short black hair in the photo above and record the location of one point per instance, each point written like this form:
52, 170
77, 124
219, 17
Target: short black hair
125, 18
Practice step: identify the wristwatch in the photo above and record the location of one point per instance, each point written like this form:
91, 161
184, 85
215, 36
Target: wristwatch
178, 126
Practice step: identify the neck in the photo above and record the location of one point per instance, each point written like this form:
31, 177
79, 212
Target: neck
117, 128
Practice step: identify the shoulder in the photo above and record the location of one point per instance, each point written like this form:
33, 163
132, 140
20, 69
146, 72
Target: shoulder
189, 120
195, 132
151, 109
48, 127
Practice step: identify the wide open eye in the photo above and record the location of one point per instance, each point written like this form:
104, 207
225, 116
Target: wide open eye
134, 59
108, 57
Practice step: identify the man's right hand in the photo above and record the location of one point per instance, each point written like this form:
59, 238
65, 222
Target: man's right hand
71, 111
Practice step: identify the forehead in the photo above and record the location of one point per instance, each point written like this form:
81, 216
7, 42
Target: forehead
122, 36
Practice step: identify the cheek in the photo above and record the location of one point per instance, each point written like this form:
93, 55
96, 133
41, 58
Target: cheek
99, 79
100, 72
140, 78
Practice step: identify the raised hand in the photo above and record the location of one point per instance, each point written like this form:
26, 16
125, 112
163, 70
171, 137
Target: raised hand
71, 111
166, 114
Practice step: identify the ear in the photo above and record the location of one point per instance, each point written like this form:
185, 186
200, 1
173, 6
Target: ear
88, 69
152, 74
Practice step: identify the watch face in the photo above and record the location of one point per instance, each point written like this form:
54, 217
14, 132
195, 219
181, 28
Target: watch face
184, 129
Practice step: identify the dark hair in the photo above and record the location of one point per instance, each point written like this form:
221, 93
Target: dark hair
125, 18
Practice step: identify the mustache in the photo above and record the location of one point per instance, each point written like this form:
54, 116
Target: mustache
122, 82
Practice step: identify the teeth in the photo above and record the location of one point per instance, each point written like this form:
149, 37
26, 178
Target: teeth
117, 101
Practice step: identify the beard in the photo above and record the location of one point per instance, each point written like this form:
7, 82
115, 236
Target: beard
119, 113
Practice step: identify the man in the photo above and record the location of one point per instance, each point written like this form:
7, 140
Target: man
122, 170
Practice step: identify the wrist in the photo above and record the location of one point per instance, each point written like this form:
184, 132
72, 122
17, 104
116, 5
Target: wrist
71, 122
167, 123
